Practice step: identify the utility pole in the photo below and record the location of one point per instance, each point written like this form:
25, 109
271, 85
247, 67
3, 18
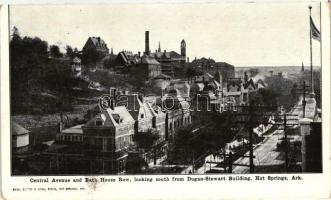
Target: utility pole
286, 149
304, 91
255, 121
250, 126
230, 162
251, 161
304, 99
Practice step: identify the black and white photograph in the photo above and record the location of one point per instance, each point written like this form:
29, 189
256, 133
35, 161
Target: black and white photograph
166, 89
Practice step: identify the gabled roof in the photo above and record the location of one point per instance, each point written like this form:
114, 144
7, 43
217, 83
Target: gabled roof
149, 60
128, 57
155, 110
136, 106
98, 42
110, 117
17, 129
248, 83
261, 83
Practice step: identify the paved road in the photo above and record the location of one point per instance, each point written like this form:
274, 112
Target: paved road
265, 154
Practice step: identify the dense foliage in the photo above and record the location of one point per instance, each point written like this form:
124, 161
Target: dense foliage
38, 84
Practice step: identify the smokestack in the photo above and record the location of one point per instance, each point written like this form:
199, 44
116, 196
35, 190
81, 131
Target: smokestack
60, 124
245, 77
147, 51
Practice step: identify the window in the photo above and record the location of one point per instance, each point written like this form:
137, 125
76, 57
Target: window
141, 115
98, 122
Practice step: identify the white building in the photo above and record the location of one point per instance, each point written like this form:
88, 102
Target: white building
20, 138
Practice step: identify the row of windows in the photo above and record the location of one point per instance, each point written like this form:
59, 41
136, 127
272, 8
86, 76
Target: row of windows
178, 123
70, 138
107, 144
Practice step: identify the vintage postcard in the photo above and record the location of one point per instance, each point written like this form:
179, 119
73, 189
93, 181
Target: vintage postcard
167, 100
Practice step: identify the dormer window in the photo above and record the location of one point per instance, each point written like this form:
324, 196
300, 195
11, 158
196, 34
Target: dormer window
117, 118
98, 122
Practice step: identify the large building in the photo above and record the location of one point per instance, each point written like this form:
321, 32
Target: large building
177, 111
169, 59
95, 52
20, 138
150, 67
97, 44
108, 135
208, 65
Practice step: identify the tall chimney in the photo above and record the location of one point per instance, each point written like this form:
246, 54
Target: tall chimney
147, 51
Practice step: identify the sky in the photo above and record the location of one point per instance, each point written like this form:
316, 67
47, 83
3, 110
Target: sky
242, 34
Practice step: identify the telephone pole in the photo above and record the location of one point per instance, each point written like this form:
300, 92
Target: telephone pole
286, 145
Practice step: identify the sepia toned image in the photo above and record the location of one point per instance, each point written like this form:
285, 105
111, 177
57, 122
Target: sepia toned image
151, 89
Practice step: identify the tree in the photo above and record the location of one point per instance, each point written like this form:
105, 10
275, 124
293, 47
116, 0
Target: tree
146, 140
32, 73
54, 51
69, 52
16, 34
192, 72
90, 57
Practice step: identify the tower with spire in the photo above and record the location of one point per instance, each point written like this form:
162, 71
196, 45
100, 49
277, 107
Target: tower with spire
302, 68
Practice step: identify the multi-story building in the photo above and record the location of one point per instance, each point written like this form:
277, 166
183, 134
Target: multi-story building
72, 134
150, 67
208, 65
107, 137
97, 44
177, 111
99, 146
95, 52
169, 60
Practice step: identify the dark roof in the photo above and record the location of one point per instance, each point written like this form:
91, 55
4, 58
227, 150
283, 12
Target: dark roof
234, 81
98, 42
108, 117
174, 54
250, 82
149, 60
165, 54
128, 57
222, 64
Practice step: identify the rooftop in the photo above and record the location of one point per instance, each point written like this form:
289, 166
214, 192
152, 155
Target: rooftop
74, 130
17, 129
